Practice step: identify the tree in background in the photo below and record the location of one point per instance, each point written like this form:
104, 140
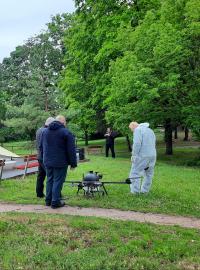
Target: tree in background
2, 116
29, 79
93, 27
148, 82
11, 85
2, 107
13, 72
115, 61
191, 70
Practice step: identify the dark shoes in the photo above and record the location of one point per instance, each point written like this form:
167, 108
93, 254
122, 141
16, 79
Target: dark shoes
61, 204
48, 204
40, 195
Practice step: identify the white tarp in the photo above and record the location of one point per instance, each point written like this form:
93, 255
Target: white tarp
4, 153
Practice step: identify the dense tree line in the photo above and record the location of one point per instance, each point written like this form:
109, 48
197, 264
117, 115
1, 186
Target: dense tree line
29, 79
109, 63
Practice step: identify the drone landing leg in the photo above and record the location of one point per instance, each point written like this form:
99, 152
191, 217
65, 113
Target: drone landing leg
78, 191
104, 189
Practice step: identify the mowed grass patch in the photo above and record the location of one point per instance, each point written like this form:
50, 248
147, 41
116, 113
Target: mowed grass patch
180, 157
184, 152
175, 189
21, 147
30, 241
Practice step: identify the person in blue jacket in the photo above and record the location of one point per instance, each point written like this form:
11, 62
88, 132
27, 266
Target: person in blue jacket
143, 157
58, 151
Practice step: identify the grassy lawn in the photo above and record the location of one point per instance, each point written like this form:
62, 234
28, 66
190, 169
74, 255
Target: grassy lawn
33, 241
21, 148
181, 157
175, 190
183, 151
30, 241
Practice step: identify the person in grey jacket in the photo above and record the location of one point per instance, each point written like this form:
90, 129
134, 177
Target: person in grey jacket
41, 169
143, 157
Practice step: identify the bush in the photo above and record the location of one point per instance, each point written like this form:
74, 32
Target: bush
194, 162
11, 134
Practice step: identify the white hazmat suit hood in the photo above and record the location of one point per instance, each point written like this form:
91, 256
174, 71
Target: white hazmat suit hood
144, 141
144, 125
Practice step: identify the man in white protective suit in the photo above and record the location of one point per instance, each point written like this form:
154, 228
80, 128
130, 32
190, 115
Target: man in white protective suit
143, 157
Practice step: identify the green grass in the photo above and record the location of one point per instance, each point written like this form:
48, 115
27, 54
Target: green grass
30, 241
184, 152
33, 241
175, 189
181, 156
21, 148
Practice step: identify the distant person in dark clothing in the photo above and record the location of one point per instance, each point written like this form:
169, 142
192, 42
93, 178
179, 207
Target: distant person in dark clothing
110, 141
58, 151
41, 170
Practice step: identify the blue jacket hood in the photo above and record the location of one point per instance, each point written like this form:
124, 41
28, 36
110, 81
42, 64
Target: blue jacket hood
57, 146
56, 125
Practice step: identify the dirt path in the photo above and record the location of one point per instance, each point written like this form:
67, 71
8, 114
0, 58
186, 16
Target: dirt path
160, 219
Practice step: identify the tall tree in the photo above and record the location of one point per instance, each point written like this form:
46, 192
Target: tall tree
191, 68
90, 46
148, 82
29, 79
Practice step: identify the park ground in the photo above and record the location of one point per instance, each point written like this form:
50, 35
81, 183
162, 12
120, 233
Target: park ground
33, 241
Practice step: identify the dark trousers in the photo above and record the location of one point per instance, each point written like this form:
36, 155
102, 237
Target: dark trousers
111, 147
55, 179
40, 179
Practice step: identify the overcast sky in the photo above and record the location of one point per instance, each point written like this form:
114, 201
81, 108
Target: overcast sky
22, 19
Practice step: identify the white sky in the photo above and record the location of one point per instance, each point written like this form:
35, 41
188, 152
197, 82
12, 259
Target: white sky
22, 19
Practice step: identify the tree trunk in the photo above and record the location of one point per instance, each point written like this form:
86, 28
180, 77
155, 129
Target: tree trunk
46, 102
128, 143
186, 138
86, 138
168, 137
176, 133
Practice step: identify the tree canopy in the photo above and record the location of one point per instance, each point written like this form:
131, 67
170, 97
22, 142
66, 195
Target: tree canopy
111, 62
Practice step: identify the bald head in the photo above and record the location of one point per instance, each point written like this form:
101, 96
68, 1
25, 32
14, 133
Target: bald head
133, 125
61, 119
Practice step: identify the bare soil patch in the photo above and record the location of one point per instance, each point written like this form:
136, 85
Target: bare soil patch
115, 214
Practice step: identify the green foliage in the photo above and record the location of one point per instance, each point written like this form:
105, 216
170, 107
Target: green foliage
130, 60
29, 80
192, 69
25, 119
2, 108
116, 61
90, 48
7, 133
152, 80
56, 29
